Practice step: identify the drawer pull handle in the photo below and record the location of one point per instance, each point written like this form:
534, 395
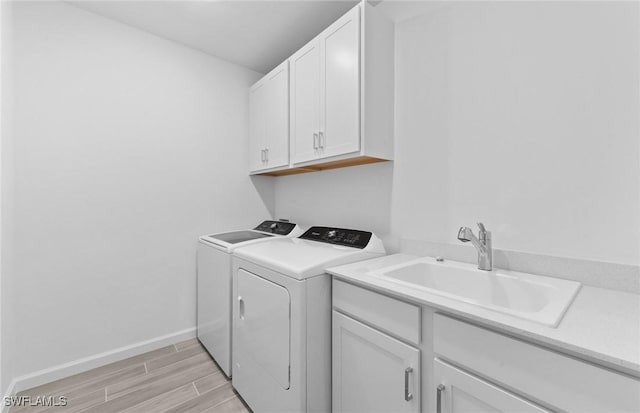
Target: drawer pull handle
439, 391
407, 396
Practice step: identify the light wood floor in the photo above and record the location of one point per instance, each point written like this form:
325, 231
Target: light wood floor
180, 378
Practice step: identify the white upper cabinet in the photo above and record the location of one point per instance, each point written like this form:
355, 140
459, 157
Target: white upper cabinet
341, 98
257, 127
325, 92
340, 73
305, 102
269, 121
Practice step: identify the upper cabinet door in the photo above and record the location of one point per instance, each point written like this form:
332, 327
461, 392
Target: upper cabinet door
340, 75
257, 126
305, 102
269, 120
277, 116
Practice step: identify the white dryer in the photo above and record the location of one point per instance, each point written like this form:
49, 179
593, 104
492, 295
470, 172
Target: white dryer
282, 317
214, 283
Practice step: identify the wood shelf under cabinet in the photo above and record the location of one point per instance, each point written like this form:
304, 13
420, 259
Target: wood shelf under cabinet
360, 160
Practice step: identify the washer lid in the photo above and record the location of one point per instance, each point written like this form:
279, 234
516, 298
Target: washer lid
301, 259
235, 237
228, 241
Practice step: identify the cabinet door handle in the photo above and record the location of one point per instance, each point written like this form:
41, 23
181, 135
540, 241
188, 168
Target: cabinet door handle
315, 141
240, 308
321, 140
266, 155
439, 391
262, 155
407, 396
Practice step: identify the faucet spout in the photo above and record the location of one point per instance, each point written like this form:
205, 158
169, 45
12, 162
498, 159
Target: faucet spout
482, 243
465, 234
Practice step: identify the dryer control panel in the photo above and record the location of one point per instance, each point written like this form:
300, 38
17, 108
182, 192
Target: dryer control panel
338, 236
276, 227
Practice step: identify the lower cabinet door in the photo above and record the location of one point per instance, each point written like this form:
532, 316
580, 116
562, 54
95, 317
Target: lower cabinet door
460, 392
372, 371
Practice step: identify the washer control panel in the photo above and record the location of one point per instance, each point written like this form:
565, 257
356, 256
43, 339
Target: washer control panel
338, 236
276, 227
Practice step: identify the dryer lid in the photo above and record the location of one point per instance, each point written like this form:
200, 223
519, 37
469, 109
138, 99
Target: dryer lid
301, 258
280, 227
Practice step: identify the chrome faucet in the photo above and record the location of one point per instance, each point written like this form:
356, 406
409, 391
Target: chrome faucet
482, 244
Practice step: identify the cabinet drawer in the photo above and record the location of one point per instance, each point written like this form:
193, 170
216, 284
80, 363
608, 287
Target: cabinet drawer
394, 316
463, 392
540, 374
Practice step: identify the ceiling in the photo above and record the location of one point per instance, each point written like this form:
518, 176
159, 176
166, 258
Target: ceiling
253, 34
401, 10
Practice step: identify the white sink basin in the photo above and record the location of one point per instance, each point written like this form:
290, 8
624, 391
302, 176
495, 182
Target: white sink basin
531, 297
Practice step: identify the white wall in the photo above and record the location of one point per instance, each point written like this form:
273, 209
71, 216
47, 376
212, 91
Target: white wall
127, 147
6, 187
522, 115
357, 197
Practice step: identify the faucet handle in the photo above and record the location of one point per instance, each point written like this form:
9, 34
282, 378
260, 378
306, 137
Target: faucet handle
484, 235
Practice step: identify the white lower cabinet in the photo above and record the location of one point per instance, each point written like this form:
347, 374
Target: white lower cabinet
553, 379
392, 355
460, 392
372, 371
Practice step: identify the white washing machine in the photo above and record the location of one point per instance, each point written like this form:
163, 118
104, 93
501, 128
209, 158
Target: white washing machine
282, 317
214, 283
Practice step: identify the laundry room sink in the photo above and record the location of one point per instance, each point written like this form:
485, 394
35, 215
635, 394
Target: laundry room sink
532, 297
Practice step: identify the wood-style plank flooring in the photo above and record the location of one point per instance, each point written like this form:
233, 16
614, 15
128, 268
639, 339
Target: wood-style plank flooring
180, 378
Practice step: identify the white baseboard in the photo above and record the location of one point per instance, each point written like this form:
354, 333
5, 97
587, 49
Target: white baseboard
10, 391
48, 375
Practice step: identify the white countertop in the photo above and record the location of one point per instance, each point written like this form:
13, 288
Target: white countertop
600, 325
